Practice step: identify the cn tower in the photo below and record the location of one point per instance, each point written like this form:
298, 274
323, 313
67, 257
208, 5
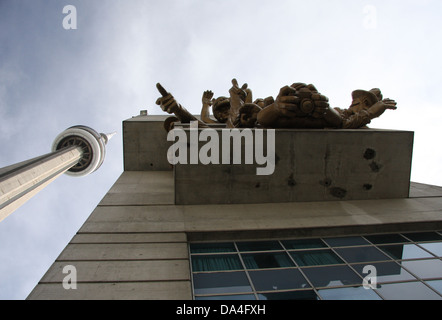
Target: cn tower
77, 151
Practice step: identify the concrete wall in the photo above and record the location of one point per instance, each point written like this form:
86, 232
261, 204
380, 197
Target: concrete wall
145, 144
138, 250
311, 165
134, 245
129, 248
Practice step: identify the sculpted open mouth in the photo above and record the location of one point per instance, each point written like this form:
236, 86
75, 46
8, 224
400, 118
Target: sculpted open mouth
221, 107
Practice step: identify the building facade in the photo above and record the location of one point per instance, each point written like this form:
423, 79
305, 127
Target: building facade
338, 219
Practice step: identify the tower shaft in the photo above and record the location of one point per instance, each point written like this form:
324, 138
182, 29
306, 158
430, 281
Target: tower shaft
77, 151
20, 182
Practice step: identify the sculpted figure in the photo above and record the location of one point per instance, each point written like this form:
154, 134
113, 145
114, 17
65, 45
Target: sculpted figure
366, 106
207, 103
221, 109
296, 106
171, 106
302, 106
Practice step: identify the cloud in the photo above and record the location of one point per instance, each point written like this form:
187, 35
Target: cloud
106, 71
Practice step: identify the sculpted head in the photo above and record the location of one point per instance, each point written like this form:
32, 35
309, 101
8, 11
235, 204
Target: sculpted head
221, 109
363, 100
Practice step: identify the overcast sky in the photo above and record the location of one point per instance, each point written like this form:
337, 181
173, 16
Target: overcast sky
105, 71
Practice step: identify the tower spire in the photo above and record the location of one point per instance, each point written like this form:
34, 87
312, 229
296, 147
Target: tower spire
107, 136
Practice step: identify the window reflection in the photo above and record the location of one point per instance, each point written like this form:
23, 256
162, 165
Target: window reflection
259, 246
315, 257
435, 248
386, 272
408, 291
332, 276
407, 267
304, 244
228, 297
289, 295
346, 241
436, 284
267, 280
267, 260
216, 263
212, 247
405, 251
349, 293
221, 282
425, 269
386, 238
363, 254
423, 236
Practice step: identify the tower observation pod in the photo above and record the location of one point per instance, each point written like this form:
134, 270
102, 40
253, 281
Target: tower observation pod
77, 151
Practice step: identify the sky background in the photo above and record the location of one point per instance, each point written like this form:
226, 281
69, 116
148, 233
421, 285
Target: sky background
105, 71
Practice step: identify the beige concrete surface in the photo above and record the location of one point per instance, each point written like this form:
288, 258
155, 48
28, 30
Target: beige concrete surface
134, 245
311, 165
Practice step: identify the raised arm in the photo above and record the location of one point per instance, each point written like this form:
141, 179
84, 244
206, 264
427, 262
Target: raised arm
168, 104
207, 103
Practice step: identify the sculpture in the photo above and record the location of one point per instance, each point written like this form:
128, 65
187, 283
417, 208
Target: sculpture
296, 106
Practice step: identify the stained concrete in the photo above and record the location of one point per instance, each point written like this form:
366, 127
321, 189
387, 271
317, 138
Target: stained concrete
144, 144
311, 165
144, 246
134, 244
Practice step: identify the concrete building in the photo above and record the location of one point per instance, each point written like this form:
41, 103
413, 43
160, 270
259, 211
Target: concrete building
338, 219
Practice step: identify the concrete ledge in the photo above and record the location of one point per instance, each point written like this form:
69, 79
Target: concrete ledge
120, 271
171, 290
124, 251
311, 165
191, 219
145, 144
141, 188
129, 238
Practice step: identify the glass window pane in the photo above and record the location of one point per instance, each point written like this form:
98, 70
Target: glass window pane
332, 276
231, 297
358, 293
385, 272
259, 246
436, 284
423, 236
212, 247
405, 251
425, 268
216, 263
289, 295
303, 244
315, 257
407, 291
345, 241
267, 260
221, 282
284, 279
362, 254
435, 248
386, 238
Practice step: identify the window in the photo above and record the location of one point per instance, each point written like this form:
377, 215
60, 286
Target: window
407, 265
